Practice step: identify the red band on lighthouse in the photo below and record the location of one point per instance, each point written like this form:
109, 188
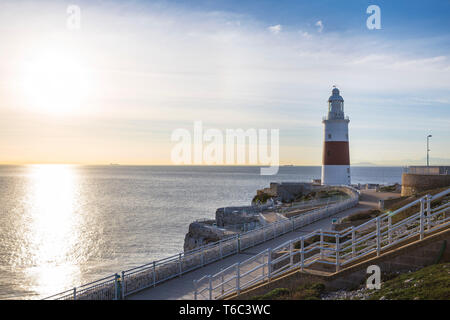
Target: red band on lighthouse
336, 153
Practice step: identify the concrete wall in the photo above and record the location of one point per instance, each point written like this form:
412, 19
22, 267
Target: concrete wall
429, 170
414, 183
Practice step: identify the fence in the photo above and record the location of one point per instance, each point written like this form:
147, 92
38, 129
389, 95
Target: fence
331, 247
310, 203
149, 275
107, 288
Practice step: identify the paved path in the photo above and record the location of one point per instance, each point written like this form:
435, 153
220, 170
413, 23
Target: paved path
183, 287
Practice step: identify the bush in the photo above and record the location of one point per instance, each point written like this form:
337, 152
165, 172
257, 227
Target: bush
262, 198
310, 291
391, 188
273, 295
369, 214
429, 283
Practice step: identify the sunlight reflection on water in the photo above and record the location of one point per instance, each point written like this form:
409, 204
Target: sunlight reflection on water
52, 228
62, 226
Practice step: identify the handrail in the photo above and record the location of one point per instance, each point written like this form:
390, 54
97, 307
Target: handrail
375, 235
153, 273
441, 194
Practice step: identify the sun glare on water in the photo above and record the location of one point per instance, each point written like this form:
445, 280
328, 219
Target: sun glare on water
53, 228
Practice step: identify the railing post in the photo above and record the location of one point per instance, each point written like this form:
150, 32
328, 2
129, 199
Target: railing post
422, 209
353, 242
302, 253
210, 287
75, 293
154, 274
116, 286
263, 263
239, 242
222, 280
123, 285
293, 227
195, 289
291, 252
203, 256
378, 236
180, 269
269, 264
321, 244
337, 253
428, 212
389, 229
238, 278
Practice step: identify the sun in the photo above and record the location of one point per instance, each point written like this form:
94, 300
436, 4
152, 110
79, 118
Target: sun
55, 81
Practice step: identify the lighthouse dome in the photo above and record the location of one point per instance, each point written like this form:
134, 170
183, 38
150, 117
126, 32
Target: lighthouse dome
335, 96
335, 105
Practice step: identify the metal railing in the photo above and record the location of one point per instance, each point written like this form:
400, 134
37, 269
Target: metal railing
337, 248
108, 288
133, 280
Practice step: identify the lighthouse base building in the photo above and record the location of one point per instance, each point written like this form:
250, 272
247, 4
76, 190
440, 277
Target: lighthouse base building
336, 155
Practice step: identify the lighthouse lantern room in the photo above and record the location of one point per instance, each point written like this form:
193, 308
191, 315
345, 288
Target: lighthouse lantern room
336, 157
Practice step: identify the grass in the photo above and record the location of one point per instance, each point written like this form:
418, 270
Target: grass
429, 283
275, 294
311, 291
391, 188
414, 209
321, 194
364, 215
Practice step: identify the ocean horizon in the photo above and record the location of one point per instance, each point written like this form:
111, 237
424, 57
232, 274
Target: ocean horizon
65, 225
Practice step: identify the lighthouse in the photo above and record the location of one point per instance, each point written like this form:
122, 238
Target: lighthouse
336, 157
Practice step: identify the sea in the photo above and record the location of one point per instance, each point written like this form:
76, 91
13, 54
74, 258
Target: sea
65, 225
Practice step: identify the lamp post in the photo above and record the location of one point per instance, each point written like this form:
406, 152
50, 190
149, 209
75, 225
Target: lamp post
428, 149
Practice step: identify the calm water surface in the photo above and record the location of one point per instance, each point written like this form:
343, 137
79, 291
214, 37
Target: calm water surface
62, 226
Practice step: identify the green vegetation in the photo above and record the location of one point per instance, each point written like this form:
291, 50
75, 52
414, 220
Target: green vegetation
391, 188
303, 292
368, 214
322, 194
316, 238
261, 198
414, 209
275, 294
429, 283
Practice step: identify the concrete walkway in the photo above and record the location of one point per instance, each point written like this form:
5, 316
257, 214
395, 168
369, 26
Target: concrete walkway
183, 287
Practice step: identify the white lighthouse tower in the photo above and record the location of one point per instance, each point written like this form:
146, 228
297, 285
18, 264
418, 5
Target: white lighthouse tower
336, 157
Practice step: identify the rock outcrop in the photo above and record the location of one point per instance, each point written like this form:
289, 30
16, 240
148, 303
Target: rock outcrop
201, 233
232, 216
284, 192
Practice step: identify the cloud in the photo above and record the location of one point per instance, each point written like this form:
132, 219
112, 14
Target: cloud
275, 29
319, 24
180, 65
305, 34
